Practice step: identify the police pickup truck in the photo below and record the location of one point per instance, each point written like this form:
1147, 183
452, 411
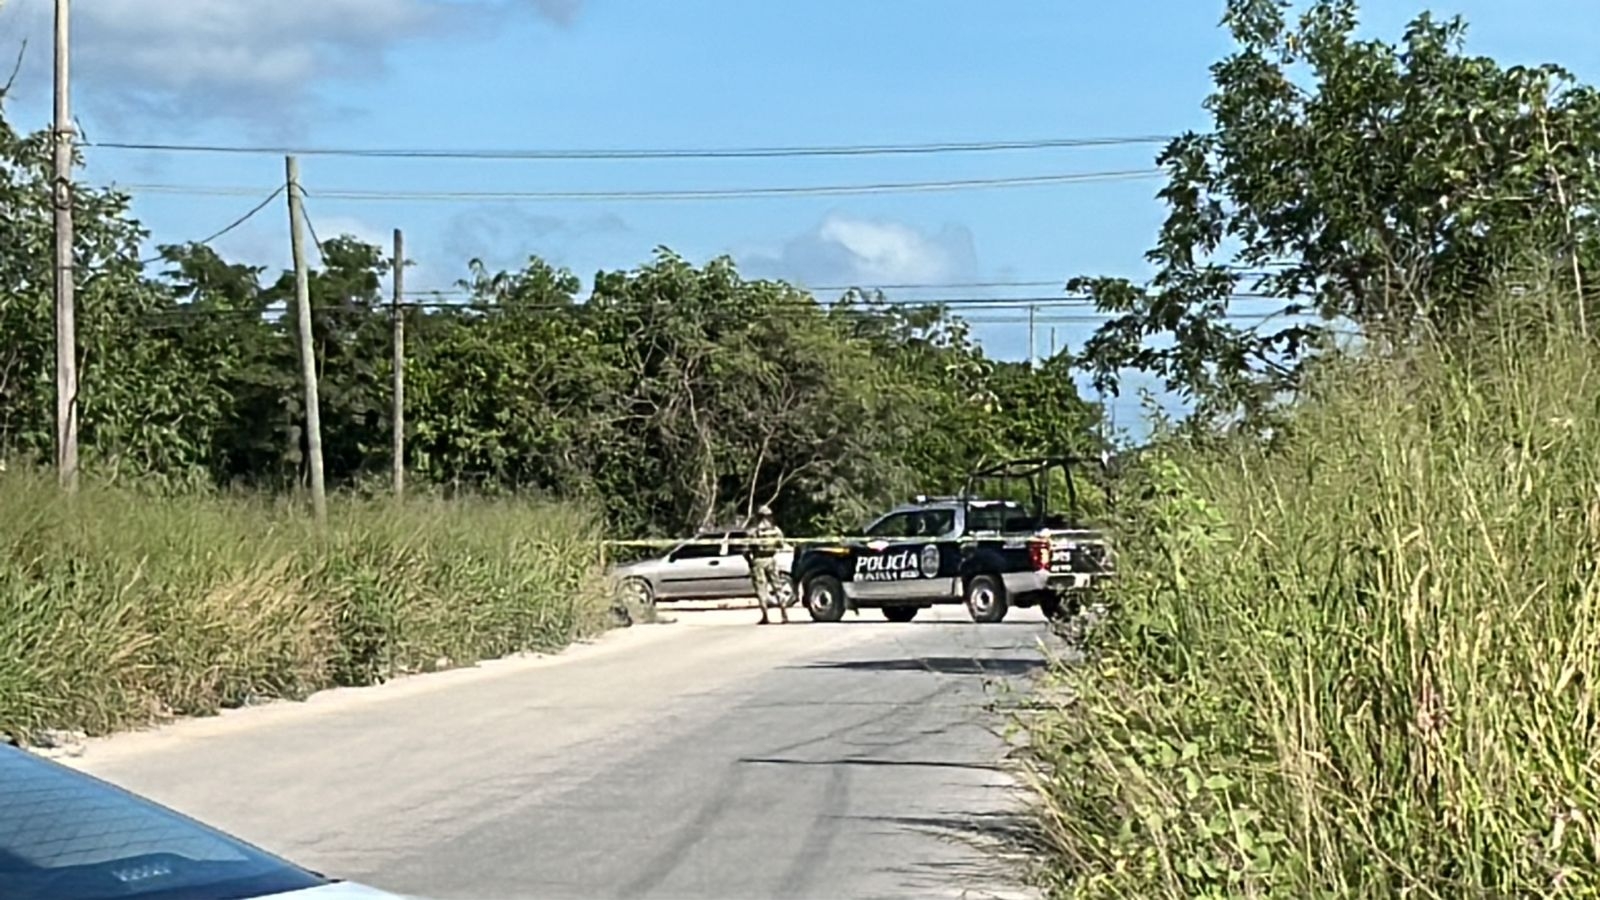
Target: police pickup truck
990, 554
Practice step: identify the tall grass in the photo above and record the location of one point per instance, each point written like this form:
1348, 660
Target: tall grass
118, 608
1362, 662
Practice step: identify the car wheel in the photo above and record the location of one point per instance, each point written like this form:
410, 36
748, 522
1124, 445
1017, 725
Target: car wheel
787, 595
986, 599
900, 613
636, 591
824, 598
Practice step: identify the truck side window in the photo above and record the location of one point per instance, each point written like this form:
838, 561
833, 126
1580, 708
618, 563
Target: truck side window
897, 525
936, 522
986, 518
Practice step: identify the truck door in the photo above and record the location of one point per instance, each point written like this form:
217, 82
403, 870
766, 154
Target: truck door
907, 556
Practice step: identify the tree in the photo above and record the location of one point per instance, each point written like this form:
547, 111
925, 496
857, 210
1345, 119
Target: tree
1383, 185
135, 398
673, 396
241, 355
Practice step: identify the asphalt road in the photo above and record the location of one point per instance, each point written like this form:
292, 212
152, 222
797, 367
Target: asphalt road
707, 758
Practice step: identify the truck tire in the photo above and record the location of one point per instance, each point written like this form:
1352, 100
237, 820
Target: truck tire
900, 613
824, 598
986, 599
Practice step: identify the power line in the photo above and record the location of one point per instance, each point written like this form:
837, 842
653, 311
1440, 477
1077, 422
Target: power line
905, 286
464, 299
649, 153
227, 228
887, 301
986, 310
865, 288
305, 214
1050, 282
693, 194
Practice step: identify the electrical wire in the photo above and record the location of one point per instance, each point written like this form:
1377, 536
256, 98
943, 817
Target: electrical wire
227, 228
946, 303
987, 313
872, 288
692, 194
863, 288
467, 296
1043, 282
306, 214
942, 147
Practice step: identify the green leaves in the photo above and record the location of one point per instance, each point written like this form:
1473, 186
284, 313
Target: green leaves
1383, 185
673, 396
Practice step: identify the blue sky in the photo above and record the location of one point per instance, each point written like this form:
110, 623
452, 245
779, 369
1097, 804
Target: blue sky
689, 73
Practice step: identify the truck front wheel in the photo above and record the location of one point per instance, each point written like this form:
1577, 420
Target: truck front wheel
824, 598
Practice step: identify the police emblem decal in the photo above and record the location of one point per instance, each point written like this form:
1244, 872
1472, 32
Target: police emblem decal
929, 561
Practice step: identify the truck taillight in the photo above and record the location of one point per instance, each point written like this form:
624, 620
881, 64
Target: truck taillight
1039, 553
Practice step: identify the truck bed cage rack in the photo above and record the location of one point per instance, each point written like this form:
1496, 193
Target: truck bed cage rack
1035, 470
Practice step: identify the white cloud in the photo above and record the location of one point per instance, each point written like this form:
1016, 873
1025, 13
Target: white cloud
847, 249
256, 61
178, 45
562, 12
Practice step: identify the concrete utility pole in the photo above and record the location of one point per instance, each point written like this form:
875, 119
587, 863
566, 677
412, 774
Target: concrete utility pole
1033, 357
65, 284
308, 357
398, 417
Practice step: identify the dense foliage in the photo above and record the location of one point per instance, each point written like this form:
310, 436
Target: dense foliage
1360, 663
671, 396
1383, 186
1357, 658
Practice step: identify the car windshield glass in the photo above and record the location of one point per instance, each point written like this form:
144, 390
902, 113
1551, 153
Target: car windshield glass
66, 836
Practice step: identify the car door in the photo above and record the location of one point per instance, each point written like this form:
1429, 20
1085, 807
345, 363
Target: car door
693, 570
731, 577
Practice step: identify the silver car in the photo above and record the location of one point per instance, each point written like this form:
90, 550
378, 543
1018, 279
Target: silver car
708, 566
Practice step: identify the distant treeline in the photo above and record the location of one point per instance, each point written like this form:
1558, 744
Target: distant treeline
671, 395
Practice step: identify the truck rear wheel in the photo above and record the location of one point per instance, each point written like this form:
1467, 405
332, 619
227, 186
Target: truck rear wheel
986, 599
824, 598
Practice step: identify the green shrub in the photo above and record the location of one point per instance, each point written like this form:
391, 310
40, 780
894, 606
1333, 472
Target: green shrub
118, 608
1361, 663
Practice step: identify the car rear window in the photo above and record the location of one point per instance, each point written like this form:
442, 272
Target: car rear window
67, 836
